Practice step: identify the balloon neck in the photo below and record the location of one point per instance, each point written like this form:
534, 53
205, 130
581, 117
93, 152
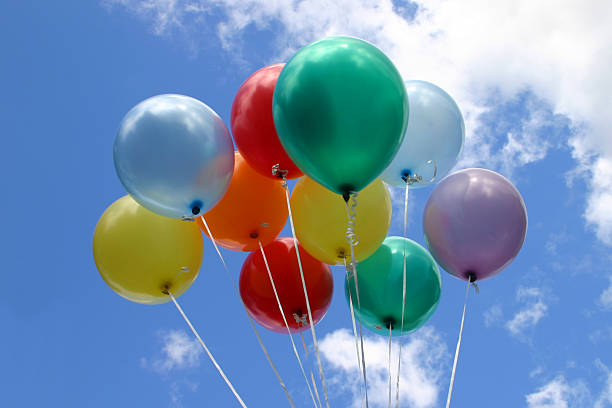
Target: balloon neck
471, 277
347, 190
405, 175
389, 322
196, 207
165, 289
254, 235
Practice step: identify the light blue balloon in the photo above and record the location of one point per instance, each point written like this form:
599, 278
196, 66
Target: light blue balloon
433, 139
174, 155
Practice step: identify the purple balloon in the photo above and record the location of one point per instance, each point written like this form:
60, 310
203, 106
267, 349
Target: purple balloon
475, 222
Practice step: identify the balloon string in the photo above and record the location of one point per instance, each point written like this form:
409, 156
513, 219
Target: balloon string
312, 329
280, 307
399, 357
314, 383
259, 340
351, 235
452, 380
390, 380
210, 356
355, 333
304, 344
406, 209
316, 390
350, 240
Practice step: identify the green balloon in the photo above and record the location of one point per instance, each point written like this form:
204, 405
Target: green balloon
380, 280
340, 110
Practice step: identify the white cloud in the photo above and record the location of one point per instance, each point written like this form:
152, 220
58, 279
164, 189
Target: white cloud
424, 367
554, 241
179, 351
167, 15
601, 335
533, 310
558, 394
605, 398
493, 315
599, 203
176, 392
606, 296
398, 201
561, 393
176, 396
549, 57
536, 372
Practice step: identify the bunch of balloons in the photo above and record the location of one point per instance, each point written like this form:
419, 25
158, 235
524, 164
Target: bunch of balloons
339, 118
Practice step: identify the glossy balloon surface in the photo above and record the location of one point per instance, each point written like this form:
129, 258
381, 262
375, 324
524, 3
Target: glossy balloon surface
433, 140
253, 208
139, 253
475, 223
340, 110
253, 125
258, 296
174, 155
381, 278
321, 221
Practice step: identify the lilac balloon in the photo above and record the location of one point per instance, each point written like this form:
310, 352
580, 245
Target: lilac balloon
475, 222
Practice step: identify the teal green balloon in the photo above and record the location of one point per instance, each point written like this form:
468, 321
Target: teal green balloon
380, 280
340, 110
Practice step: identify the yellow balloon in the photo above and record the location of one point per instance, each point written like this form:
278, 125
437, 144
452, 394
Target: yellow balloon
320, 220
141, 254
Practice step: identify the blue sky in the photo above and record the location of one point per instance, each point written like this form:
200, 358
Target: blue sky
534, 85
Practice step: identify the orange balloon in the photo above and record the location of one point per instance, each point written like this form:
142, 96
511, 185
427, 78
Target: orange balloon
253, 207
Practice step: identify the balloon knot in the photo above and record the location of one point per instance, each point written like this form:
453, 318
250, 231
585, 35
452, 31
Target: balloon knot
279, 173
411, 178
300, 318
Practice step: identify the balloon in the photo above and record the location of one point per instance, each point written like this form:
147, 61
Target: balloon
140, 254
433, 140
340, 110
258, 296
380, 279
254, 207
174, 155
320, 220
253, 125
475, 223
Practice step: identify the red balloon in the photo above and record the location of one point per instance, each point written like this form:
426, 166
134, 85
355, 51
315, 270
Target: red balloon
253, 125
258, 296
